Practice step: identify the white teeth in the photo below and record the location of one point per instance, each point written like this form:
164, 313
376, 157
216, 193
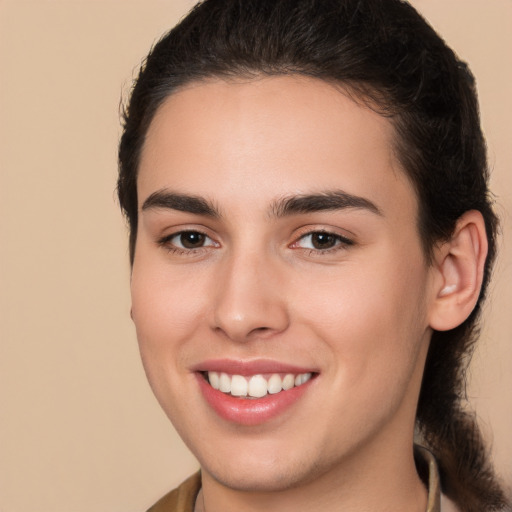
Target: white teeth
214, 379
238, 386
275, 384
306, 377
288, 382
302, 378
224, 383
256, 386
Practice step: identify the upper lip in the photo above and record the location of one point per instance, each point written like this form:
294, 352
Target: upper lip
253, 367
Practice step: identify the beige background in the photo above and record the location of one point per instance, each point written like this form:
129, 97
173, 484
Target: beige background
79, 428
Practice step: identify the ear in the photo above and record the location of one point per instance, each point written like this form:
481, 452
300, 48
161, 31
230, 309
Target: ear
459, 268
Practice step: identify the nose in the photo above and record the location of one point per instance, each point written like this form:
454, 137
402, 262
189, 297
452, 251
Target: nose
250, 301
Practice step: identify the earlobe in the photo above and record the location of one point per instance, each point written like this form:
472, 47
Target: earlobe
459, 266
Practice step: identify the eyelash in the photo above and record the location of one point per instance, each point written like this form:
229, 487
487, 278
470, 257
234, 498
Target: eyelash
340, 241
167, 243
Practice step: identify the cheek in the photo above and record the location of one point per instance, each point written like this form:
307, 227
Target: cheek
372, 318
166, 307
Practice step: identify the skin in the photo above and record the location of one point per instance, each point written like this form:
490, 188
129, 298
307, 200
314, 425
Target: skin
359, 314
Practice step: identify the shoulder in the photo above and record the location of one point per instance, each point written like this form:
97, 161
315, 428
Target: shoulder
181, 499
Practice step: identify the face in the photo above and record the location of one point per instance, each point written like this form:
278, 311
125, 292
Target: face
278, 259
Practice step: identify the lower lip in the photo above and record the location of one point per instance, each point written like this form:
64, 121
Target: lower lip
250, 411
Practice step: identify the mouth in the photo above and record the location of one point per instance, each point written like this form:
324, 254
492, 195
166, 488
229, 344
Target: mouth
255, 386
250, 393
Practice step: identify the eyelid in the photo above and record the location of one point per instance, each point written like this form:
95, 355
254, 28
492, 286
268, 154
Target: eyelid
169, 243
342, 241
166, 241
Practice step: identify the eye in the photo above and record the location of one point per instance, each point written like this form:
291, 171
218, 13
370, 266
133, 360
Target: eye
321, 241
187, 241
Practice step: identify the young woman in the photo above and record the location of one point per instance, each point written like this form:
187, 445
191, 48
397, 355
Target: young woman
311, 239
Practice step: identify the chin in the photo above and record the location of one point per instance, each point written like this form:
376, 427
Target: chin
249, 473
260, 481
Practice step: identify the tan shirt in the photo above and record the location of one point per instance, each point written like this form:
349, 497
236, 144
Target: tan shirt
184, 497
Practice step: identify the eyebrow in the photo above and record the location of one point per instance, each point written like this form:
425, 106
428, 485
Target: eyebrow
283, 207
181, 202
324, 201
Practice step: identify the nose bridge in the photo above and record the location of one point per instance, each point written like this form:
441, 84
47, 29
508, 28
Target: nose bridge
249, 301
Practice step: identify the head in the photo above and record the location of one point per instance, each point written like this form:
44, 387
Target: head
387, 59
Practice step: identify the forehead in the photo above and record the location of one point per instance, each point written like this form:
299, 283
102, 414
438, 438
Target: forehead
283, 135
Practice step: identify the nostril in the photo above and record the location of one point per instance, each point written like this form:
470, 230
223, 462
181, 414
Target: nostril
258, 331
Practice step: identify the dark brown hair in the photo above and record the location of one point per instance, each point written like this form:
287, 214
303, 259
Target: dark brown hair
386, 55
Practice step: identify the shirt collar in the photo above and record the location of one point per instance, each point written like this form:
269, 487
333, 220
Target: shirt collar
425, 458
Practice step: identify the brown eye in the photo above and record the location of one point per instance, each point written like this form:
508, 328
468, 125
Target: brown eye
192, 239
187, 241
323, 240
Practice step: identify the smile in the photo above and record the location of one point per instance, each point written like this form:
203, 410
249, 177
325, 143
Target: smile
255, 386
251, 393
